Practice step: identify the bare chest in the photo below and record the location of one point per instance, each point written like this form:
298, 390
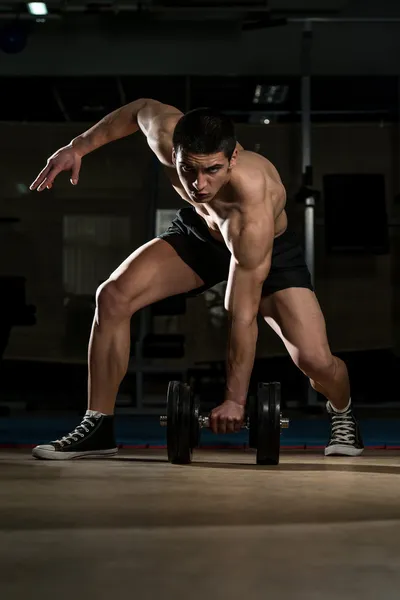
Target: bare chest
214, 224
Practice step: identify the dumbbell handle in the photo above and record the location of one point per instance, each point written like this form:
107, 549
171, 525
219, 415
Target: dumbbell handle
204, 422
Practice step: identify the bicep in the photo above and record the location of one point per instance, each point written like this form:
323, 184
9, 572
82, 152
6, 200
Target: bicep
252, 238
249, 267
157, 121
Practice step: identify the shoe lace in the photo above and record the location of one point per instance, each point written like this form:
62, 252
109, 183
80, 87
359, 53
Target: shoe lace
343, 428
78, 432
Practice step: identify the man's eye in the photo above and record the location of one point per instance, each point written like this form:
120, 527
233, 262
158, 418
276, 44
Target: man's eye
213, 170
186, 169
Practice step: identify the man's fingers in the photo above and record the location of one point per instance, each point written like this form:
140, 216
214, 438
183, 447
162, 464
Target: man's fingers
75, 173
43, 185
214, 424
229, 425
42, 175
48, 182
221, 425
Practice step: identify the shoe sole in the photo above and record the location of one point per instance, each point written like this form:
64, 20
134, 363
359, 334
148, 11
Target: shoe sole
342, 450
57, 455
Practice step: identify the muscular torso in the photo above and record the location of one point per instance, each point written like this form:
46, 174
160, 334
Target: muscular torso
250, 170
216, 213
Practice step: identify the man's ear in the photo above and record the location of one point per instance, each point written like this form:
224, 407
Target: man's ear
233, 160
173, 157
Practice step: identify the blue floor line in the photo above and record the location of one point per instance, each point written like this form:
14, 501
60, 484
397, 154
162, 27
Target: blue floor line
137, 431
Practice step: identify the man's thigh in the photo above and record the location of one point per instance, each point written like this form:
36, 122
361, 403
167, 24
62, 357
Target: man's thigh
151, 273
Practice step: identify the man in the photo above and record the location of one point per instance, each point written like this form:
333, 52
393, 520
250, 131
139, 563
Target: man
235, 229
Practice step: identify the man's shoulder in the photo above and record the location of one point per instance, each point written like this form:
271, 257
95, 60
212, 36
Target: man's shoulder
253, 171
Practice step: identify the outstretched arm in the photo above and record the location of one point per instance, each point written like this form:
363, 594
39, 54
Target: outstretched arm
154, 119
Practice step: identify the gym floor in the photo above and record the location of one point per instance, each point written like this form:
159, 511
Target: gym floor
136, 526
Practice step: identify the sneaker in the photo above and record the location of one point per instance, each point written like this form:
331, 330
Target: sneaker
345, 434
93, 437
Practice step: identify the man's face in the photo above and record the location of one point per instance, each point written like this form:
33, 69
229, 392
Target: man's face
202, 175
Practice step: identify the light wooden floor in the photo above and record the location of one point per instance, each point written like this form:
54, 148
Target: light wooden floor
137, 527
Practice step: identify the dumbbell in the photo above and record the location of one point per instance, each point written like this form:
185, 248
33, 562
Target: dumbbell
184, 423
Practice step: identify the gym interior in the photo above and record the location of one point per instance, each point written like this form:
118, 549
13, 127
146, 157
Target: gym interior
315, 88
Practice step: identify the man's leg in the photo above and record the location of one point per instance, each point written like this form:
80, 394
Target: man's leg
151, 273
295, 315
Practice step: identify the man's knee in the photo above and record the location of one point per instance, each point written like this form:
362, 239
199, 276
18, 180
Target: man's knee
111, 304
316, 365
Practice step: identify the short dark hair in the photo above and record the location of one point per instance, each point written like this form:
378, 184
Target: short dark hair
205, 131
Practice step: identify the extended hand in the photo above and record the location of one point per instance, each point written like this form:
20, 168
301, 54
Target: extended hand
227, 418
65, 159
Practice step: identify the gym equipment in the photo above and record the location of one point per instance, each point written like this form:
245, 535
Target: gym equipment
184, 422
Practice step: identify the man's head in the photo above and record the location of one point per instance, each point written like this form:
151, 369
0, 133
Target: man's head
204, 145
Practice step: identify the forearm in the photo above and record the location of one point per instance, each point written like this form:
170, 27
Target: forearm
241, 353
116, 125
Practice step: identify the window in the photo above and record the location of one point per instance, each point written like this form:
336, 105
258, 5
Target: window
93, 246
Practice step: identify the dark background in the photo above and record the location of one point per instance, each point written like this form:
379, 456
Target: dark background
61, 73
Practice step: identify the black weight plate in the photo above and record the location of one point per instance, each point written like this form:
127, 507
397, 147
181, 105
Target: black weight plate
179, 407
253, 421
269, 423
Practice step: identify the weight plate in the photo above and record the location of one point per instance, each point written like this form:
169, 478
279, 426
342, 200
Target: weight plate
179, 409
253, 422
268, 423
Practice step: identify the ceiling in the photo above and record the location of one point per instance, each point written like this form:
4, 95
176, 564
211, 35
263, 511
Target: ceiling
194, 9
87, 99
209, 9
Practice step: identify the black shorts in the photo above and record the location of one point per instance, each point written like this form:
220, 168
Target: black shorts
189, 235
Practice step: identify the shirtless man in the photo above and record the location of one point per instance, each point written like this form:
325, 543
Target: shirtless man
234, 229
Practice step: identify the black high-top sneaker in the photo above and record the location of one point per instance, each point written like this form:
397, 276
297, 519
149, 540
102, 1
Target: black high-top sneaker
345, 434
94, 437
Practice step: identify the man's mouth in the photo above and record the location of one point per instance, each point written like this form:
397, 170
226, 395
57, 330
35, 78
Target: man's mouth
199, 196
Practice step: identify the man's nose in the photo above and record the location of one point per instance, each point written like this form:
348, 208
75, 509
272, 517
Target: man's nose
200, 183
